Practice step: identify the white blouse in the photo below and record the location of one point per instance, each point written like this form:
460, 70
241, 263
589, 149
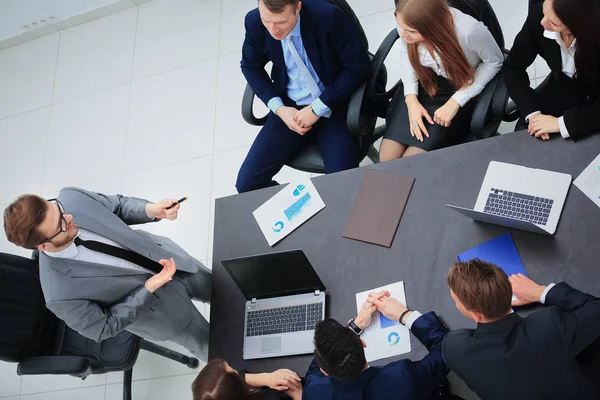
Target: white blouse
567, 54
479, 47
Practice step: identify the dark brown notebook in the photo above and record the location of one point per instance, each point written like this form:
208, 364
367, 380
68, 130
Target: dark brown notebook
378, 207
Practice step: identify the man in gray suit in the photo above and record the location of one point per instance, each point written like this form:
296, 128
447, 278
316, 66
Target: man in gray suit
101, 277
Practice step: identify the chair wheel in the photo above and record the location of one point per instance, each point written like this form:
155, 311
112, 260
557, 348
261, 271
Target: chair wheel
193, 363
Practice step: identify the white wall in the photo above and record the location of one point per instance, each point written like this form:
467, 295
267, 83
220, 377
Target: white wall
24, 20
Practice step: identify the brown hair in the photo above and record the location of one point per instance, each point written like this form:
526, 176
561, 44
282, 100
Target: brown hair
278, 6
481, 287
214, 382
433, 20
22, 219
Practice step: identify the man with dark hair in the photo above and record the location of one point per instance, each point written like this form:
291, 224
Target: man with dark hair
101, 277
340, 370
551, 354
318, 63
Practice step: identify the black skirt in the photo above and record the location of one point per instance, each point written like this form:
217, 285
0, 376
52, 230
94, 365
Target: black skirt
398, 125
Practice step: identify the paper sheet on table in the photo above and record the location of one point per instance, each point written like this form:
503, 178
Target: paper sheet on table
384, 337
589, 181
288, 209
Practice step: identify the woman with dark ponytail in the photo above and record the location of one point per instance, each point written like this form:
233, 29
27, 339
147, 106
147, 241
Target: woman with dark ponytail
218, 381
566, 34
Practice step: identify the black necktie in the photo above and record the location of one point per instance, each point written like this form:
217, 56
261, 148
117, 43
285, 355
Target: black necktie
118, 252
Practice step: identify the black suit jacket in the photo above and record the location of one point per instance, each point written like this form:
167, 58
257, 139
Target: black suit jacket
580, 120
531, 358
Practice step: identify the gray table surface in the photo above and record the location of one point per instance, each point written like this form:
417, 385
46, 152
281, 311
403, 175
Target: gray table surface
427, 242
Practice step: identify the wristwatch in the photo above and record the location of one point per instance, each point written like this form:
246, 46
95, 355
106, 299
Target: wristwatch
403, 314
313, 111
352, 325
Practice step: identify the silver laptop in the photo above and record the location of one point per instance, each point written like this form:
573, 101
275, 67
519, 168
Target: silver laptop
519, 197
286, 299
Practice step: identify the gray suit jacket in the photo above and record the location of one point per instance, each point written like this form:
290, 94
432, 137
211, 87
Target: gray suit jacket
99, 301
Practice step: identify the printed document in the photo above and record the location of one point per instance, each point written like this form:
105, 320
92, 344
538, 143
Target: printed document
385, 337
288, 209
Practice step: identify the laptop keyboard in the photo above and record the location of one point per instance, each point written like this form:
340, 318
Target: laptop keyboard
518, 206
284, 319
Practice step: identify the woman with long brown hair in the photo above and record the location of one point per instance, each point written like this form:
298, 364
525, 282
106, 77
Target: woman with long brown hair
564, 33
218, 381
447, 58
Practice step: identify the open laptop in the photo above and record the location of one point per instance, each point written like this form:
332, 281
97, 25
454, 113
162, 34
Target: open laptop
519, 197
286, 299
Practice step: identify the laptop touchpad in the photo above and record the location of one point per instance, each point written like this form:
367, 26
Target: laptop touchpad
271, 345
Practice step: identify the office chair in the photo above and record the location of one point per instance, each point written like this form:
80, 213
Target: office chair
42, 344
361, 115
484, 122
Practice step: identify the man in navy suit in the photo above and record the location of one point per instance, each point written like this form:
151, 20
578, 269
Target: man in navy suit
318, 63
340, 370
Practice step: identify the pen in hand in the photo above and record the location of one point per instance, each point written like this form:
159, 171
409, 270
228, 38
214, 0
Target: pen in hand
181, 200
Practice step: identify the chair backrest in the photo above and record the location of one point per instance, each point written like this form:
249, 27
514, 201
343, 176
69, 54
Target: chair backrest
345, 7
482, 11
24, 319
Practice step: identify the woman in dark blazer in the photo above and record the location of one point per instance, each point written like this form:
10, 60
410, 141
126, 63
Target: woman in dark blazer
218, 381
564, 33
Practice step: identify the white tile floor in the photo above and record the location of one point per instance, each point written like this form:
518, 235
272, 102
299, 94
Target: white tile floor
144, 102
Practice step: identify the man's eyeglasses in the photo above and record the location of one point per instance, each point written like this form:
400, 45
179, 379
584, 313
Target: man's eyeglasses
62, 221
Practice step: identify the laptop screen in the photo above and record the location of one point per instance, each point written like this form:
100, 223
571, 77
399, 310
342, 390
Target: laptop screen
274, 275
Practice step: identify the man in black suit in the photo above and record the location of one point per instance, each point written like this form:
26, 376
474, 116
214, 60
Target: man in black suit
551, 354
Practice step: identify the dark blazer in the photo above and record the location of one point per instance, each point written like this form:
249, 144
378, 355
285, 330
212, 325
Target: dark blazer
531, 358
332, 45
402, 379
582, 118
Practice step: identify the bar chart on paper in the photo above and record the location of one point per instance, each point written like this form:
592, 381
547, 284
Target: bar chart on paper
385, 337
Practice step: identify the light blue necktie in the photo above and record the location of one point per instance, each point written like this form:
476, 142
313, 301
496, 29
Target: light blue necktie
310, 81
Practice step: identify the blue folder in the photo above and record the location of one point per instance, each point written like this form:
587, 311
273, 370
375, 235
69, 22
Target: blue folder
500, 251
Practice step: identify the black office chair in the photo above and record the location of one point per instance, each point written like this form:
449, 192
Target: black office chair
502, 106
484, 122
42, 344
361, 116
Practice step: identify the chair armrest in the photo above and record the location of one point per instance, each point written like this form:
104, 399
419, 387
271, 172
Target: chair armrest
502, 107
359, 124
247, 108
377, 65
59, 365
482, 107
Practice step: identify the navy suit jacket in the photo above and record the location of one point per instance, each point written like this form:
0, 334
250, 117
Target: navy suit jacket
332, 45
402, 379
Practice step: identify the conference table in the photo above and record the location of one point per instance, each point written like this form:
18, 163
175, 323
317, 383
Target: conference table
429, 238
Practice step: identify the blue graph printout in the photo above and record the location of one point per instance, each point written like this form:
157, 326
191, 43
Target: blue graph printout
296, 209
386, 322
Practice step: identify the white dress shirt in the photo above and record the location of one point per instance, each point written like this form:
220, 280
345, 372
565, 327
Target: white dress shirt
81, 253
567, 57
479, 47
412, 318
545, 292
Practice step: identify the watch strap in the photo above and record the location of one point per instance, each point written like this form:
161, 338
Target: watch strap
352, 325
403, 314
